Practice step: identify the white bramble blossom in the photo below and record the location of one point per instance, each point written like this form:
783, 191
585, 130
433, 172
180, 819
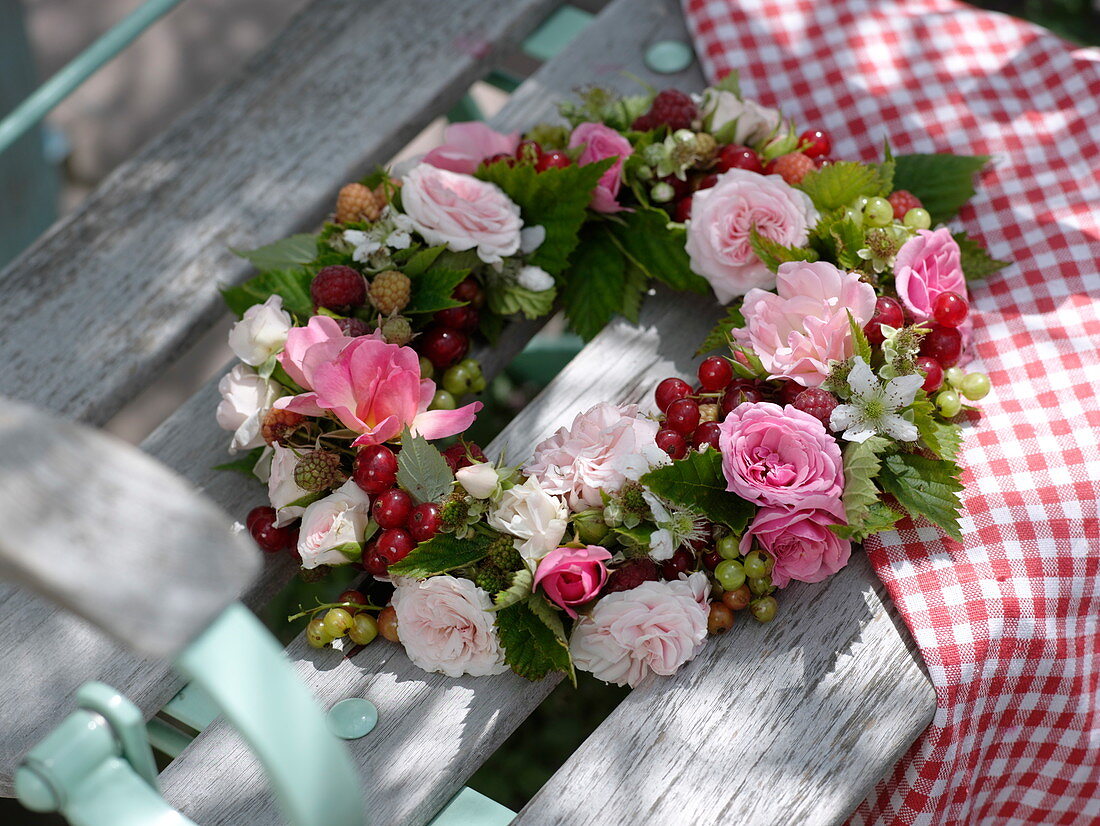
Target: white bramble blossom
874, 405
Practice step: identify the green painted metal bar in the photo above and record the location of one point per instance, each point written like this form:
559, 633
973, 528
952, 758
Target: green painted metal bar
62, 84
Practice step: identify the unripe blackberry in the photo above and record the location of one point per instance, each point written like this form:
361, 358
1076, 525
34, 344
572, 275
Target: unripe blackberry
397, 330
453, 514
491, 578
389, 292
504, 555
319, 470
357, 203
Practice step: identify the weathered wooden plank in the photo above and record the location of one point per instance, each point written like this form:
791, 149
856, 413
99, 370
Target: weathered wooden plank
114, 292
791, 723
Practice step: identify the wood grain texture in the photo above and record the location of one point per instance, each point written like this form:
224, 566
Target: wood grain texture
790, 723
112, 293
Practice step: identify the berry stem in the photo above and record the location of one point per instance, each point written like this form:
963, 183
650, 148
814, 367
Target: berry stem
309, 612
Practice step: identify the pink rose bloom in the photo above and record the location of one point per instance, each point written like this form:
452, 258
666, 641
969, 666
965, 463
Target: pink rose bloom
774, 455
604, 447
446, 625
652, 629
461, 212
800, 541
722, 219
466, 145
927, 265
601, 142
572, 576
372, 387
802, 327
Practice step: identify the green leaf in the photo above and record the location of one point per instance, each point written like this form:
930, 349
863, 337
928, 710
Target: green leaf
635, 285
292, 285
976, 260
840, 183
352, 551
511, 298
431, 291
422, 470
308, 499
520, 589
697, 482
646, 238
638, 536
772, 253
878, 518
282, 255
861, 466
246, 464
925, 487
848, 239
719, 337
443, 552
730, 83
594, 289
942, 438
532, 648
860, 345
942, 182
557, 200
420, 261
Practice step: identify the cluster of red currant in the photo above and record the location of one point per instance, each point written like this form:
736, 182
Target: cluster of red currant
445, 343
530, 152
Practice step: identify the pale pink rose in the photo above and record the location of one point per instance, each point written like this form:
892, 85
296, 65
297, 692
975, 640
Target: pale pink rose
800, 541
722, 218
774, 455
801, 328
445, 625
928, 264
604, 447
461, 212
333, 528
373, 387
572, 576
601, 142
652, 629
466, 145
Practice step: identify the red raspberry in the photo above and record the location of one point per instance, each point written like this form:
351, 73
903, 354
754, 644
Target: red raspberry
671, 108
902, 201
353, 327
462, 454
339, 288
792, 167
278, 425
817, 402
632, 574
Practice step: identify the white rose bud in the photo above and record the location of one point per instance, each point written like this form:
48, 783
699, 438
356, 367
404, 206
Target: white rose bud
333, 528
480, 480
535, 279
246, 397
261, 333
535, 517
754, 122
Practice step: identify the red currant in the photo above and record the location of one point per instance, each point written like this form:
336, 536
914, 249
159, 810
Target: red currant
680, 189
735, 156
738, 393
261, 512
458, 318
711, 560
682, 416
683, 209
672, 443
887, 311
394, 544
392, 508
706, 434
679, 563
789, 391
715, 373
352, 596
443, 346
933, 373
706, 182
267, 536
671, 390
424, 521
373, 562
817, 143
944, 344
375, 469
554, 159
528, 151
950, 309
470, 291
501, 157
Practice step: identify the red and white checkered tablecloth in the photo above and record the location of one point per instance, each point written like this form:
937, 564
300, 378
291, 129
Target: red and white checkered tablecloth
1009, 620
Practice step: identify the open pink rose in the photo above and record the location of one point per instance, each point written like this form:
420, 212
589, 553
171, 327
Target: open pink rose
601, 142
466, 145
722, 218
572, 576
461, 212
803, 326
652, 629
774, 455
372, 387
927, 265
322, 339
799, 539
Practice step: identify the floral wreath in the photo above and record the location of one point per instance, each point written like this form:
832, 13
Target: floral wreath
830, 412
